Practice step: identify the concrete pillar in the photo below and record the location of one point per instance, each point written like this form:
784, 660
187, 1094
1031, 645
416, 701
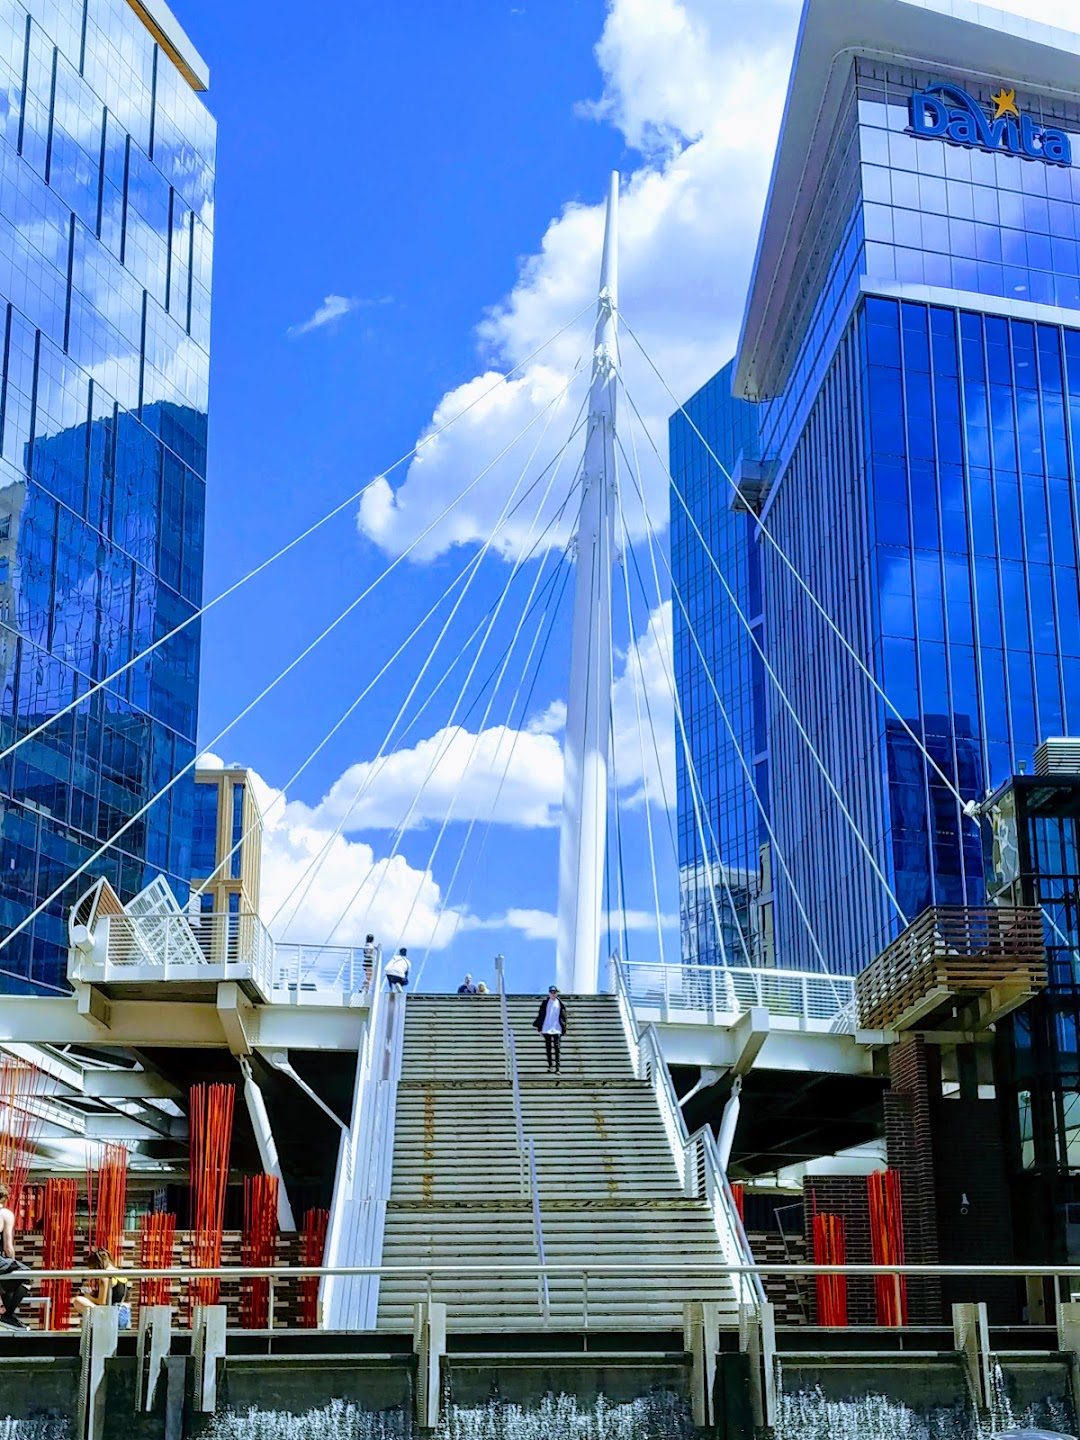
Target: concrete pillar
155, 1342
97, 1345
971, 1336
207, 1348
429, 1345
757, 1336
1068, 1330
701, 1341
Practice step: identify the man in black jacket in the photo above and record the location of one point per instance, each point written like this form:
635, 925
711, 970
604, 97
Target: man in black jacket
551, 1023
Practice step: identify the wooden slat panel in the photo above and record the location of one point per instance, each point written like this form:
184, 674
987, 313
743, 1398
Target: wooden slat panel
965, 950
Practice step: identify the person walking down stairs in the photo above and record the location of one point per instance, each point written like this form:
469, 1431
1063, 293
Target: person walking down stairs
551, 1023
397, 970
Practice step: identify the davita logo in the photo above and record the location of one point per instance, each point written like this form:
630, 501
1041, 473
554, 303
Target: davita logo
945, 112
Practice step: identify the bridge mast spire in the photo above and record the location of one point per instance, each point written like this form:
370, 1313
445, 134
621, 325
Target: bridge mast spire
583, 840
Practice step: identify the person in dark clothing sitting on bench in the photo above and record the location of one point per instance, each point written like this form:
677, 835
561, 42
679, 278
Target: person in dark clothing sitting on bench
13, 1287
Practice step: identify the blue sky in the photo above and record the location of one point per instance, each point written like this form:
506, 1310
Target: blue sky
408, 205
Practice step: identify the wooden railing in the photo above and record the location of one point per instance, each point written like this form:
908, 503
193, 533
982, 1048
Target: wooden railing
953, 955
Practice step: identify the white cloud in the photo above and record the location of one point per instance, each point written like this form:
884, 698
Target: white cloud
454, 767
332, 308
698, 91
512, 777
673, 78
644, 689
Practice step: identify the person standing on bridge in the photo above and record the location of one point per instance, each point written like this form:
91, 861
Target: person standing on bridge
397, 970
468, 988
551, 1023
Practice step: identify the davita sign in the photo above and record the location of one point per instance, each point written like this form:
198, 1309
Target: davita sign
945, 112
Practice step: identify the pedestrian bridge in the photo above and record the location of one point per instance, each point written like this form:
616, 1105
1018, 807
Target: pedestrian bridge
738, 1018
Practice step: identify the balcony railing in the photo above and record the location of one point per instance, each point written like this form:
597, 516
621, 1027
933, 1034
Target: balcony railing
205, 948
720, 991
984, 961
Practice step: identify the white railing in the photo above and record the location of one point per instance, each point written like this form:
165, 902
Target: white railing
182, 946
722, 990
365, 1169
301, 971
177, 947
525, 1146
696, 1159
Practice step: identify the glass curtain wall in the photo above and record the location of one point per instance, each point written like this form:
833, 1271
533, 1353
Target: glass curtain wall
720, 837
106, 224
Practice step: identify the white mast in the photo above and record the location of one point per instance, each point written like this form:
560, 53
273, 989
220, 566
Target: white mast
583, 840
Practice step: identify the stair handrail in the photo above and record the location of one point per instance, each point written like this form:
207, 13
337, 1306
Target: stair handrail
510, 1062
649, 1063
526, 1149
365, 1162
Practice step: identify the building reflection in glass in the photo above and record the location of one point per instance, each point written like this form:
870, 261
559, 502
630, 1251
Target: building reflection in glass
106, 221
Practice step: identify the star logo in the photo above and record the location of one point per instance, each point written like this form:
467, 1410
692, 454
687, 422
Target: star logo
1005, 103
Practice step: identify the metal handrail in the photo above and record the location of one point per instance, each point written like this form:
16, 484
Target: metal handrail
362, 1180
732, 989
647, 1057
530, 1183
770, 1268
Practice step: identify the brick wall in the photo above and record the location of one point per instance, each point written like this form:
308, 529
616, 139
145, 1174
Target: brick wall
286, 1300
909, 1146
791, 1297
843, 1195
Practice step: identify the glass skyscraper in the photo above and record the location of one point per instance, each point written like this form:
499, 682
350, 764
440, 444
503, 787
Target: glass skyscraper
910, 358
106, 226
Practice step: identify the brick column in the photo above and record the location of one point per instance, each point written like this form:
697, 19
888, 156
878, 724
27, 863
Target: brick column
909, 1146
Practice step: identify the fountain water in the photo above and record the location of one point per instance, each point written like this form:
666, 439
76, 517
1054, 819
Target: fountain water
661, 1416
34, 1429
337, 1421
808, 1415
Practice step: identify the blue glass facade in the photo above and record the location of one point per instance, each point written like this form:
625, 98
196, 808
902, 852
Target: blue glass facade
730, 887
920, 440
106, 223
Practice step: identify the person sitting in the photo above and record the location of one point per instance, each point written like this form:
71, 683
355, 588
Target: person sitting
468, 988
109, 1290
13, 1287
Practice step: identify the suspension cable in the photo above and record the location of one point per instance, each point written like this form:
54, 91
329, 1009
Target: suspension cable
969, 807
296, 540
382, 759
307, 877
106, 845
800, 727
697, 793
553, 612
635, 650
741, 755
445, 900
476, 739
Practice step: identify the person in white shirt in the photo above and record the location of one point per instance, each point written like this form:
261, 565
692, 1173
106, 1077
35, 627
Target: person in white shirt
397, 970
551, 1023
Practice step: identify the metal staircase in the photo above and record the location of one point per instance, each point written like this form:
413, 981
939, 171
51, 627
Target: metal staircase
612, 1189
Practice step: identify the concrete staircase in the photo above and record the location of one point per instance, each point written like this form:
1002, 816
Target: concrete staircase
608, 1184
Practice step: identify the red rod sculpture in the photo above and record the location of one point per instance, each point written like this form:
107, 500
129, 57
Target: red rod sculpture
312, 1250
887, 1245
156, 1253
830, 1248
210, 1118
58, 1251
258, 1246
